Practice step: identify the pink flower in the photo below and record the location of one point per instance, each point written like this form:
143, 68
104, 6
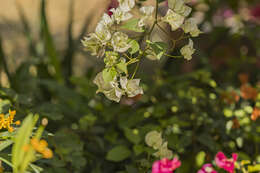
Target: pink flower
113, 4
207, 168
255, 12
165, 165
228, 13
227, 164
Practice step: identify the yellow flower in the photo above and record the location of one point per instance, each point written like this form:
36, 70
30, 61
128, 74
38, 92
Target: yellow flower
41, 147
47, 154
7, 122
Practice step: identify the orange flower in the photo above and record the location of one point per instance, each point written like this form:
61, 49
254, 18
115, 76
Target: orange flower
255, 114
47, 153
236, 124
41, 147
230, 97
243, 78
7, 122
248, 92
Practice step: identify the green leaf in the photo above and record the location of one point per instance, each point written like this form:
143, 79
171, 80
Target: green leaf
118, 153
157, 49
134, 46
200, 158
22, 138
109, 74
49, 43
134, 138
5, 144
254, 168
138, 149
132, 25
122, 66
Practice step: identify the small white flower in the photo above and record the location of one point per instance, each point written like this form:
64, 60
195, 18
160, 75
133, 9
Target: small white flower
93, 45
110, 89
188, 50
174, 19
154, 139
191, 27
107, 20
120, 15
146, 13
179, 7
120, 42
103, 33
131, 86
164, 152
184, 11
111, 58
115, 93
126, 5
147, 10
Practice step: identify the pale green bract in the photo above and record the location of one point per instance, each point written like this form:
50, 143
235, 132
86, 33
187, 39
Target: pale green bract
111, 58
126, 5
120, 42
103, 33
188, 50
110, 89
154, 139
164, 152
131, 87
120, 16
191, 27
174, 19
146, 13
93, 45
179, 7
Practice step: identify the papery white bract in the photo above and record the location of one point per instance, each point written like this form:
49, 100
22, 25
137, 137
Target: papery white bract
103, 33
111, 58
110, 89
120, 42
120, 15
188, 50
146, 13
174, 19
131, 87
164, 152
93, 45
107, 20
126, 5
179, 7
191, 27
147, 10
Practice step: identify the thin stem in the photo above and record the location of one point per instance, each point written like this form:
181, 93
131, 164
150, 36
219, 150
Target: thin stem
126, 56
172, 56
136, 68
156, 19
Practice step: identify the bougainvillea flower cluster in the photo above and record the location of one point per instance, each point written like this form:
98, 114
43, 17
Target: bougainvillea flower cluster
165, 165
207, 168
225, 163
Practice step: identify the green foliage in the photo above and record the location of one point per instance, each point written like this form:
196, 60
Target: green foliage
118, 153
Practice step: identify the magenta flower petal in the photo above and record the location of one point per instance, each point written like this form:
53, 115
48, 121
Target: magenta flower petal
207, 168
165, 165
227, 164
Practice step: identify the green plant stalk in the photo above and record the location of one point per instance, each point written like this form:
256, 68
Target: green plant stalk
30, 155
